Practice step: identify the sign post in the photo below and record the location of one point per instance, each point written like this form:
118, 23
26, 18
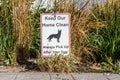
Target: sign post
55, 34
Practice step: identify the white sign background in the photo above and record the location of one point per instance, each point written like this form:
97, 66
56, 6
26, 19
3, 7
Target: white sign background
51, 25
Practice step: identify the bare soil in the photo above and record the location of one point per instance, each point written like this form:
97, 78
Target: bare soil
11, 69
27, 66
83, 67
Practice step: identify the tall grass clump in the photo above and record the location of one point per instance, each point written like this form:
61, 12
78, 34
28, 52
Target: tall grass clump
107, 39
80, 44
34, 43
7, 32
21, 14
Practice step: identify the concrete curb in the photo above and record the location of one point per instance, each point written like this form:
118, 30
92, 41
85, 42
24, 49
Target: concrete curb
58, 76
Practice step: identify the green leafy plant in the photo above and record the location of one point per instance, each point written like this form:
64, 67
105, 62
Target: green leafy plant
117, 69
7, 36
107, 39
34, 44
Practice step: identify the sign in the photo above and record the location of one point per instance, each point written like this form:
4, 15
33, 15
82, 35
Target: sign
55, 34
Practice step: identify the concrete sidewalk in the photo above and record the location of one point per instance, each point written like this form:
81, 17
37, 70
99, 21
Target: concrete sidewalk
58, 76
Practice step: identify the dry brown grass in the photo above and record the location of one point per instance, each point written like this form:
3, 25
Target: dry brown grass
21, 13
80, 24
58, 64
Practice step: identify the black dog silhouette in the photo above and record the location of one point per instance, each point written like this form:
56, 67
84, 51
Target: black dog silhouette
57, 36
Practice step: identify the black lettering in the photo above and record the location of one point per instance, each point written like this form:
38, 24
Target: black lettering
48, 25
61, 25
50, 18
61, 18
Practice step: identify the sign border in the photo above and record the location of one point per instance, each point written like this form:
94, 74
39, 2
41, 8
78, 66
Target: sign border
69, 29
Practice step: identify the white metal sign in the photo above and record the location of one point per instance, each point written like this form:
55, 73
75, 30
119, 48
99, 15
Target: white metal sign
55, 34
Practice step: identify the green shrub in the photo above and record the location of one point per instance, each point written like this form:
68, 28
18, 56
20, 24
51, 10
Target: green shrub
107, 39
